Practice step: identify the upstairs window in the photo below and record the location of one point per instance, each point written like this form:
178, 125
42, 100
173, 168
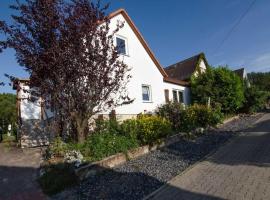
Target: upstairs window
146, 93
121, 46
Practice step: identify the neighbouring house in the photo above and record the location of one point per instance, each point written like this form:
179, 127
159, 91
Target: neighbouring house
184, 69
151, 85
241, 73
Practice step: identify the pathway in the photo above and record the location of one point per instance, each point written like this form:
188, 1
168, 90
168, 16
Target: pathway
18, 172
238, 170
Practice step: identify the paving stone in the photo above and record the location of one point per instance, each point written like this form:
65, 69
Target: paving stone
239, 170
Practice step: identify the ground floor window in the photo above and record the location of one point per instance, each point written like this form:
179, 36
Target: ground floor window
146, 93
178, 96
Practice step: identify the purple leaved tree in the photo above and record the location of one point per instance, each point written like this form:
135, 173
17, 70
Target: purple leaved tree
68, 49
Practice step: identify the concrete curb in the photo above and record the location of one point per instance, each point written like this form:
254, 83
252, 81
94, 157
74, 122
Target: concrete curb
228, 120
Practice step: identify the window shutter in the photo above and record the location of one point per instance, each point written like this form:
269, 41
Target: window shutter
166, 93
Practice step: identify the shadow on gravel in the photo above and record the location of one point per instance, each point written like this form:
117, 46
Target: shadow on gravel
114, 185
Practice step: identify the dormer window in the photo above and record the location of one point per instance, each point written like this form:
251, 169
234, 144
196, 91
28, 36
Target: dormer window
121, 46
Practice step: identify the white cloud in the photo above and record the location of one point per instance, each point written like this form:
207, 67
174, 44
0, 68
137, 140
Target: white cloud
260, 63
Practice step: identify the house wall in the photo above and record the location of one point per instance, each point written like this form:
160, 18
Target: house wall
202, 66
171, 87
144, 72
28, 109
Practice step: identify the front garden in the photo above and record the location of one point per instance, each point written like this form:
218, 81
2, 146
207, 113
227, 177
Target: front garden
196, 124
139, 177
111, 137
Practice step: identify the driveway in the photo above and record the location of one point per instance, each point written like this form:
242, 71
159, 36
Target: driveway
238, 170
18, 172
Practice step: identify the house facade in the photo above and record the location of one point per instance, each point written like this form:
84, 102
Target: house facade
150, 85
183, 70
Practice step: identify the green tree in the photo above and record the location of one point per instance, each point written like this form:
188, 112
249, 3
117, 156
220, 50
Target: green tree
260, 79
7, 110
255, 99
224, 88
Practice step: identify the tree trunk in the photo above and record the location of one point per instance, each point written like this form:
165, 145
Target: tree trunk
81, 129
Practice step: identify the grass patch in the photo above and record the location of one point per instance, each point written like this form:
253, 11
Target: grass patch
56, 178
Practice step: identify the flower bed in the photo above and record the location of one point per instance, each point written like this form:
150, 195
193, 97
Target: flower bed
141, 176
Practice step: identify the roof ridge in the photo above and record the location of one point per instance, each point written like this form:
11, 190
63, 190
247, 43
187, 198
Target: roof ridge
199, 54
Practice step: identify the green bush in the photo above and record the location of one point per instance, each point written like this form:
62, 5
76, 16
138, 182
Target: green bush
110, 137
107, 126
99, 146
191, 117
152, 128
202, 116
254, 100
57, 148
147, 129
223, 87
173, 112
129, 128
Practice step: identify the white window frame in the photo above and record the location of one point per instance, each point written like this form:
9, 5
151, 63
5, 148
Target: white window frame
177, 94
150, 93
126, 44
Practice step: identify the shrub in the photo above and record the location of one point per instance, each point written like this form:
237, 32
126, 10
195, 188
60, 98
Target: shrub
57, 148
223, 87
254, 100
147, 129
172, 112
107, 126
152, 128
202, 116
129, 128
191, 117
99, 146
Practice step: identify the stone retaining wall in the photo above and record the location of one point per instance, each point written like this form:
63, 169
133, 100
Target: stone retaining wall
34, 133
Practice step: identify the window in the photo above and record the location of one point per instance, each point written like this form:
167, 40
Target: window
146, 93
175, 99
178, 96
181, 96
121, 46
166, 93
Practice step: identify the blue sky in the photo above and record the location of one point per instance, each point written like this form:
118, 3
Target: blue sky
178, 29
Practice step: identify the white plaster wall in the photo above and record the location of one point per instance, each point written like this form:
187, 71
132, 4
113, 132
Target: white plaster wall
144, 71
171, 87
29, 109
202, 66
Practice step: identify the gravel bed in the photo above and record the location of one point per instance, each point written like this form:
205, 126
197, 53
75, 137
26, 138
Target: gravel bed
139, 177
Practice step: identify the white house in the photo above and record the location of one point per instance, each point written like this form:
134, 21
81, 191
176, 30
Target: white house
149, 86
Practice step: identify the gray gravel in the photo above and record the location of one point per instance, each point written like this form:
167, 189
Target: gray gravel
139, 177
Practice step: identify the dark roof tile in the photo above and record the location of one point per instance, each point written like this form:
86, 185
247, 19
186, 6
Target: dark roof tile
184, 69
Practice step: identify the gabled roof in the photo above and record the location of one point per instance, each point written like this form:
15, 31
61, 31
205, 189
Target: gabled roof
140, 37
183, 70
166, 77
240, 72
